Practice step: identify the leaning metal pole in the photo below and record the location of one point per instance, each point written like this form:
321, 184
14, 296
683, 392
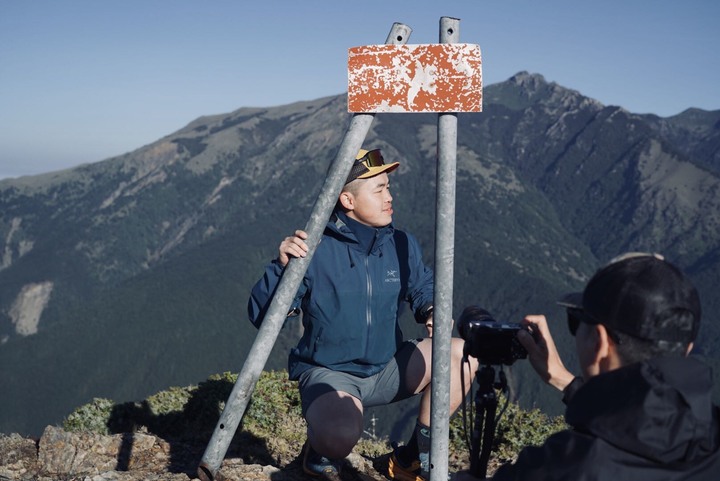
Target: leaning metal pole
292, 277
444, 258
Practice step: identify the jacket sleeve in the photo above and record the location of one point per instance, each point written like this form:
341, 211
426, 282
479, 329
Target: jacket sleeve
420, 282
262, 293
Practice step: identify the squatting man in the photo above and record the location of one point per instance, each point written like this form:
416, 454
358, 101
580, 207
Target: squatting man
352, 354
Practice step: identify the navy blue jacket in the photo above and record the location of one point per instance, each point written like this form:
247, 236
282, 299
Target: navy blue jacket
350, 299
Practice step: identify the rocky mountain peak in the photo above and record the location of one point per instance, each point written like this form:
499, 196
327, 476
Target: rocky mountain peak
529, 81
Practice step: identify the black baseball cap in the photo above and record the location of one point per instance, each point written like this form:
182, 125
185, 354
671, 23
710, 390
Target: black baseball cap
641, 295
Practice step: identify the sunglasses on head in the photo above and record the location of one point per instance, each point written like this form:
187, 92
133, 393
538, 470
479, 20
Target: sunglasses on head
372, 159
576, 316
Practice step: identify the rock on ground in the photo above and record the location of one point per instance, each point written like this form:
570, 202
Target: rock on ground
64, 456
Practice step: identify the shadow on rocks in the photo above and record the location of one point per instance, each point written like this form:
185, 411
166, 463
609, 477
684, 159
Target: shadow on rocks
187, 432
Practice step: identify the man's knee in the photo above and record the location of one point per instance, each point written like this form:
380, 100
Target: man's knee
469, 365
457, 349
335, 424
334, 440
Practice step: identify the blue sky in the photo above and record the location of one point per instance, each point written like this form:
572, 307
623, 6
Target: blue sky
85, 80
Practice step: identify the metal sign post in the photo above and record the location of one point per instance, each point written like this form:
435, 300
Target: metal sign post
289, 284
444, 268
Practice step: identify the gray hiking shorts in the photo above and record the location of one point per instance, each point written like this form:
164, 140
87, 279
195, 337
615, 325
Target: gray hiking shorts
385, 387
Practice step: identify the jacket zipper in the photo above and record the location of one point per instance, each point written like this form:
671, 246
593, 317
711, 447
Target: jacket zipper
368, 306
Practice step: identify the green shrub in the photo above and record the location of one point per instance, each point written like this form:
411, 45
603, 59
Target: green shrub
519, 428
274, 406
92, 416
516, 429
193, 411
172, 400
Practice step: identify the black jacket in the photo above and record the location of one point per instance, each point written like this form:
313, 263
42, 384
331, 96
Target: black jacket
648, 421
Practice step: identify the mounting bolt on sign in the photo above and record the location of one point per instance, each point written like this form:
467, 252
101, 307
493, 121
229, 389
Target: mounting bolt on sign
415, 78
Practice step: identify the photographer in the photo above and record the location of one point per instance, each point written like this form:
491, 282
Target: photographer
642, 409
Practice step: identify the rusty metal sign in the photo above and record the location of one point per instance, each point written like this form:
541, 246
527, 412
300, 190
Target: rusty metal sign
415, 78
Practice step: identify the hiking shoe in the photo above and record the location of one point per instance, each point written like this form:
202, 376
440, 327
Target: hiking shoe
400, 471
319, 466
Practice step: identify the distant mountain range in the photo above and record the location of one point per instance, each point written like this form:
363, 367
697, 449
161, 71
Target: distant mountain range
130, 275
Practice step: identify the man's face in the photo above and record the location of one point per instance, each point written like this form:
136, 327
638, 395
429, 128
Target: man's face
370, 202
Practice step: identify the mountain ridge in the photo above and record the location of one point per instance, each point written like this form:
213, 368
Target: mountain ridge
150, 255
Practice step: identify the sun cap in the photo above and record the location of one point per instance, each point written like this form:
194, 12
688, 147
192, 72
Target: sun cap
641, 295
372, 165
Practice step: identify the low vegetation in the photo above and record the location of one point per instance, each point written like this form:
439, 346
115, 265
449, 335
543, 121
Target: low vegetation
274, 422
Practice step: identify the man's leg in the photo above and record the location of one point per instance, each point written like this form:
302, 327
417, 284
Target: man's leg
407, 464
418, 376
335, 424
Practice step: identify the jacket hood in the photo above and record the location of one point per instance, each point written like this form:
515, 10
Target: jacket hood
655, 410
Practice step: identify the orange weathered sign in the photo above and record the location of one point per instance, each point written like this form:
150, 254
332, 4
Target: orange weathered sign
443, 77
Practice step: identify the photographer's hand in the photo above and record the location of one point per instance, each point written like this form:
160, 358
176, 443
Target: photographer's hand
542, 353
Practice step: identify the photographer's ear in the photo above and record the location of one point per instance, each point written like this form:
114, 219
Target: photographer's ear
603, 341
596, 349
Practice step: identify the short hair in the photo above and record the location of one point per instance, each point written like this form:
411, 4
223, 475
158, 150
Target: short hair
351, 187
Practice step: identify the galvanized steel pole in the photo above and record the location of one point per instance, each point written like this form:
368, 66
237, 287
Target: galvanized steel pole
444, 258
289, 284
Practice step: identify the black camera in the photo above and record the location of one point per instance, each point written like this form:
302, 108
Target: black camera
490, 341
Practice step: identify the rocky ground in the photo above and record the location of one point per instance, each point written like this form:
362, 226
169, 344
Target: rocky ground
63, 456
164, 438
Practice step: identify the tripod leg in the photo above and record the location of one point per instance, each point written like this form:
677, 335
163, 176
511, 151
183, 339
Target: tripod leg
476, 440
483, 432
488, 433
